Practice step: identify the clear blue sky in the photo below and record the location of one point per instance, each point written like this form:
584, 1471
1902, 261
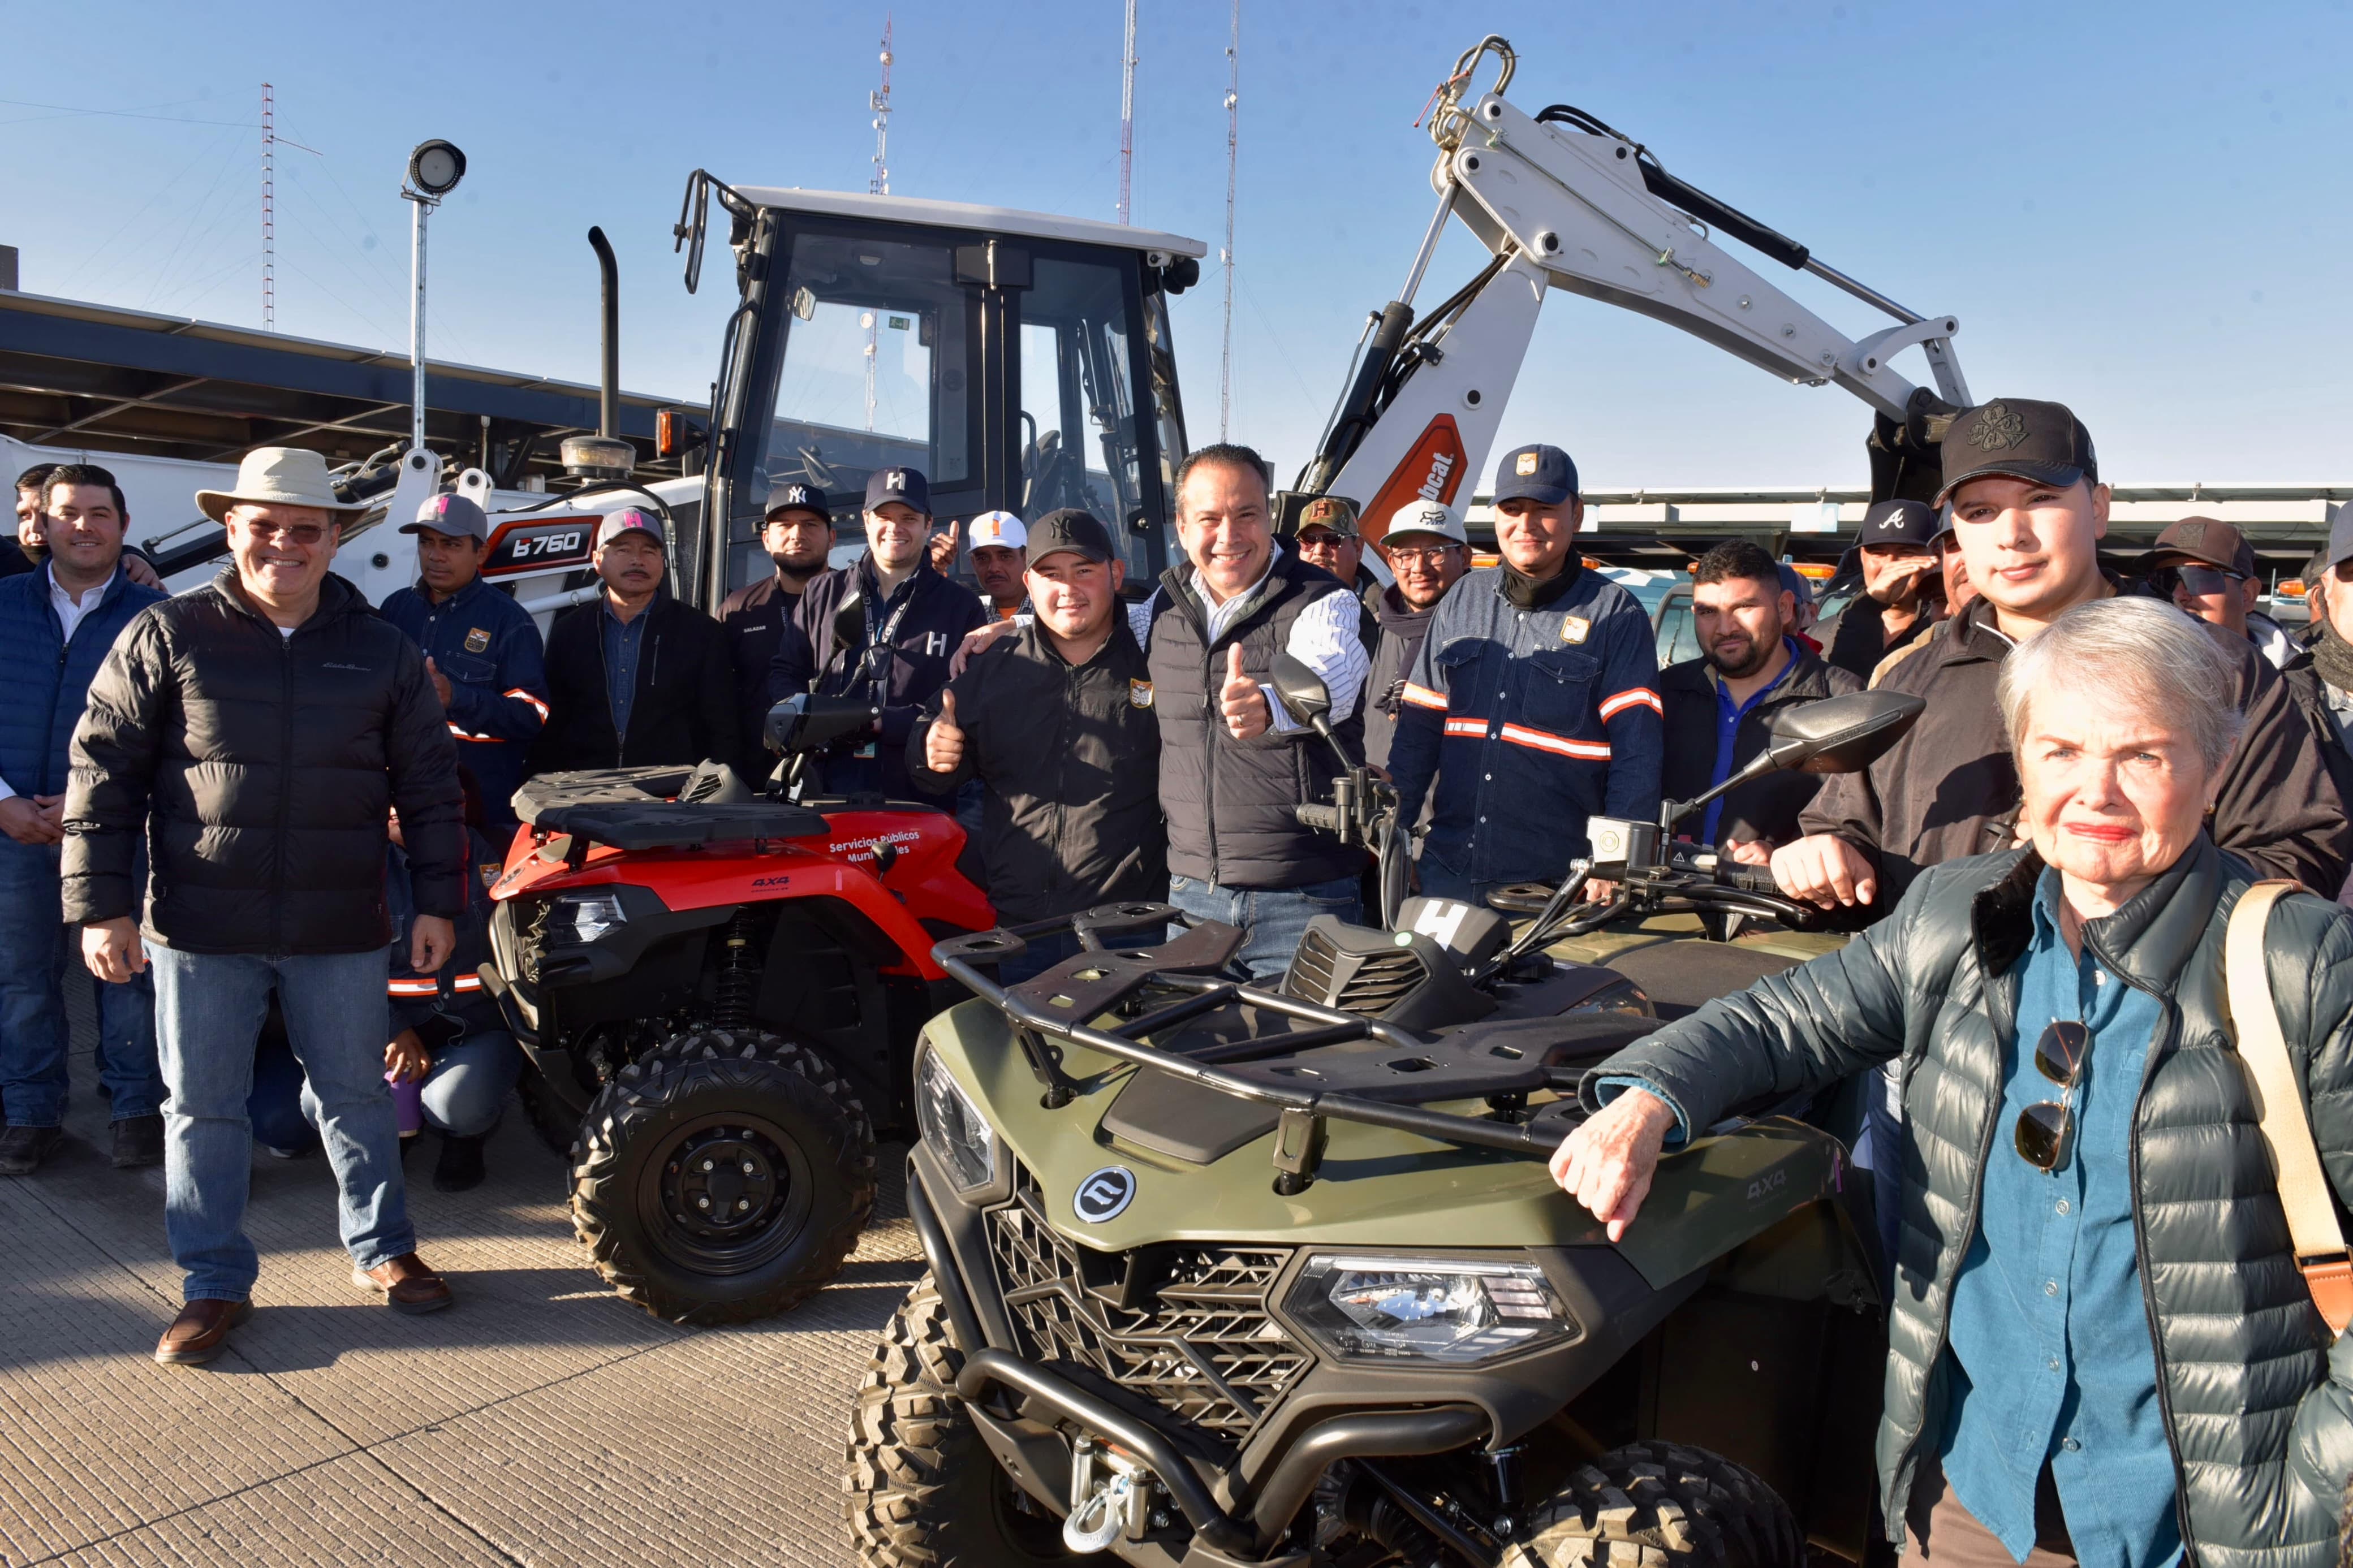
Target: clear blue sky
2140, 209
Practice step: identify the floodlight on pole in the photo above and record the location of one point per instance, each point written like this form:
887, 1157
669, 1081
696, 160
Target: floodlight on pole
434, 170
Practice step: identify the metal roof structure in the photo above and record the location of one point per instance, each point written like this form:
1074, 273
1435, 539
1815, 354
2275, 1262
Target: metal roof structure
74, 373
969, 215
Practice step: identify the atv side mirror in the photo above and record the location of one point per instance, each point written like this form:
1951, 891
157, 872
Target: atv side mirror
849, 621
1835, 735
1840, 734
803, 722
1304, 696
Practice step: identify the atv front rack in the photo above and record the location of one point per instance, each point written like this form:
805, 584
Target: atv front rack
1059, 1003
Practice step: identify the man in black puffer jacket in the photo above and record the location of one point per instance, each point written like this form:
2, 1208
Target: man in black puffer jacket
258, 731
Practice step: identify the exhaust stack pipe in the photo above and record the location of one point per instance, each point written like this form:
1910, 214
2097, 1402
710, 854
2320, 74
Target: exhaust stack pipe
605, 455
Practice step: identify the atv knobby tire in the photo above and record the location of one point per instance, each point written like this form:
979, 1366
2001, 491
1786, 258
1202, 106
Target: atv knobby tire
1659, 1505
722, 1177
924, 1491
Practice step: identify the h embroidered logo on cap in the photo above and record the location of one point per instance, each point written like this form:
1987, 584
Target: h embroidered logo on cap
896, 479
1999, 429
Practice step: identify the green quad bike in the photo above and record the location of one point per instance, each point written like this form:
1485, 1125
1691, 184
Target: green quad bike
1220, 1275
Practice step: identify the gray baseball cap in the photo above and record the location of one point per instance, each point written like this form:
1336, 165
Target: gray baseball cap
452, 515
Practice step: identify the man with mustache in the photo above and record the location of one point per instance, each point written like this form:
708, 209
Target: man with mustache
1751, 666
636, 677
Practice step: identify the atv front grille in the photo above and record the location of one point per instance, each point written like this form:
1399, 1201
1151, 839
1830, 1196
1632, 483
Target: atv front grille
1368, 983
1198, 1339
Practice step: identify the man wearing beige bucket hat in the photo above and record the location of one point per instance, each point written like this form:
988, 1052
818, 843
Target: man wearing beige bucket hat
258, 731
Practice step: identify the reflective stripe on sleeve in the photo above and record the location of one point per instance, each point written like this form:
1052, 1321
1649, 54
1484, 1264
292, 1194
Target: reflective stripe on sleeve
1476, 729
1642, 695
426, 985
1559, 745
522, 696
1423, 696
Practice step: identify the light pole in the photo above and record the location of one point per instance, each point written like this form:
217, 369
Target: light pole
434, 170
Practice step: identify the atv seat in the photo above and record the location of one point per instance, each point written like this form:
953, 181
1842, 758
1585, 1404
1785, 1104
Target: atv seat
629, 809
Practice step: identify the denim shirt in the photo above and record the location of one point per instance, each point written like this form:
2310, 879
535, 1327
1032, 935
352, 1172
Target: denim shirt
622, 641
1728, 715
2049, 1353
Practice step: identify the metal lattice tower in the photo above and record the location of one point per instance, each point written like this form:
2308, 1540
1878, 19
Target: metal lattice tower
1127, 116
1234, 127
880, 185
268, 216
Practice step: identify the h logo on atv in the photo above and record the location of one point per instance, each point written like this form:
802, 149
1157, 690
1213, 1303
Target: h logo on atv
1105, 1195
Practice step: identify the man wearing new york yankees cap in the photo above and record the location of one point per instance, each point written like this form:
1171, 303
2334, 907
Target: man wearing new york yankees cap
634, 676
1533, 703
481, 651
798, 535
911, 621
2029, 510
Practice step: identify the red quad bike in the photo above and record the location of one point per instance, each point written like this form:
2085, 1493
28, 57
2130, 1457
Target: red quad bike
719, 990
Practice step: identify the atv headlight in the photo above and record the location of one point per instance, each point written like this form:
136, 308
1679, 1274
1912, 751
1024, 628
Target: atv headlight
953, 1127
1441, 1309
575, 920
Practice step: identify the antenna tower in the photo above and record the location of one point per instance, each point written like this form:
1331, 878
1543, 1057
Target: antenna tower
1234, 127
880, 185
1127, 116
269, 218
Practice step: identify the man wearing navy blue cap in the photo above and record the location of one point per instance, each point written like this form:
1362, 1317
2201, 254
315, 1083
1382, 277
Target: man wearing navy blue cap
1896, 548
913, 620
1533, 703
798, 535
482, 650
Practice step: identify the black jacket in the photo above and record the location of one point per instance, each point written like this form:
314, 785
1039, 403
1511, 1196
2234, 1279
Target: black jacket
1401, 631
755, 617
938, 613
1948, 790
684, 709
2258, 1406
1230, 802
260, 768
1071, 757
1765, 807
1860, 640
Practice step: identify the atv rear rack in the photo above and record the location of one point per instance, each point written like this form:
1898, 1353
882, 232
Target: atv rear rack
1058, 1004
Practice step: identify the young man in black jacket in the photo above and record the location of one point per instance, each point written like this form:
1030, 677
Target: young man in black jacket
1751, 666
913, 619
636, 677
798, 535
1057, 723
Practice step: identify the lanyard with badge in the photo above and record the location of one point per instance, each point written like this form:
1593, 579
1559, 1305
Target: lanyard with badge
861, 671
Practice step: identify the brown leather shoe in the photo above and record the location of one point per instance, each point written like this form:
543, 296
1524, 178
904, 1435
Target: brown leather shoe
200, 1330
405, 1284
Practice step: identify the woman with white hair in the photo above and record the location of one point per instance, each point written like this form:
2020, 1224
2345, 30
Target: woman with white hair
2104, 1345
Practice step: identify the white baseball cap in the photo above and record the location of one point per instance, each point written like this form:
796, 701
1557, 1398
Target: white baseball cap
998, 530
1428, 517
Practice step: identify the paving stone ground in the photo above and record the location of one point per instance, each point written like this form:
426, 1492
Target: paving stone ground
539, 1421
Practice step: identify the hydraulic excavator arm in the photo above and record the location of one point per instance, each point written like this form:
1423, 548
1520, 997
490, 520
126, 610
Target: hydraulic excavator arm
1562, 201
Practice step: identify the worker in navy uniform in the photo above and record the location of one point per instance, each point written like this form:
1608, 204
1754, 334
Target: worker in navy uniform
481, 651
1533, 702
915, 620
798, 535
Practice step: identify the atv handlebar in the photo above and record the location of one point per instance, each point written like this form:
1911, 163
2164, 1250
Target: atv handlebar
1721, 869
1322, 818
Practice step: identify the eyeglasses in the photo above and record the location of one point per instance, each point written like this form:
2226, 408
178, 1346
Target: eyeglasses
2199, 580
1434, 556
302, 533
2045, 1129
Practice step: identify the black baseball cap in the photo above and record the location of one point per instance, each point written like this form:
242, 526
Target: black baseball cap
2208, 539
796, 496
1069, 530
2043, 443
899, 484
1543, 475
1898, 522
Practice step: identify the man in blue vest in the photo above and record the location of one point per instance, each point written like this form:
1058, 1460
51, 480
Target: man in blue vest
1533, 703
56, 624
482, 650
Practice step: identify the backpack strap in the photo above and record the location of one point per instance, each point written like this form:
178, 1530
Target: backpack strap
2303, 1191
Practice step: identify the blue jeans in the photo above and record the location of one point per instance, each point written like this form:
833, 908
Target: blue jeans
463, 1093
1273, 919
210, 1009
35, 948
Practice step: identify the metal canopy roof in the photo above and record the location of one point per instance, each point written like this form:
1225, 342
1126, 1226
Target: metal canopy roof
968, 214
82, 374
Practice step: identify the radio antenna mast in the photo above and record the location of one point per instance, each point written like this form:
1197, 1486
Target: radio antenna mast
1127, 116
1234, 127
269, 219
879, 184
